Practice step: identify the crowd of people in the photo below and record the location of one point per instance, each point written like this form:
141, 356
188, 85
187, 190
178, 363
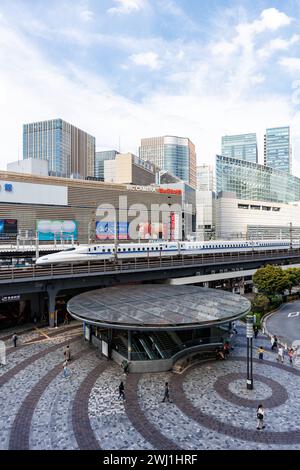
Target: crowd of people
281, 349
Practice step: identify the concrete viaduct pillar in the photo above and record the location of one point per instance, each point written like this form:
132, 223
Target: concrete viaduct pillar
52, 292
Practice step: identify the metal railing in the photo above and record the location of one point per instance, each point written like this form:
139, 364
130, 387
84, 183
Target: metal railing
139, 264
168, 353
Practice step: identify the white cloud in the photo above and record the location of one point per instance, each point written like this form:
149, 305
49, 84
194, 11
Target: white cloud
127, 6
290, 63
270, 19
278, 44
87, 15
147, 59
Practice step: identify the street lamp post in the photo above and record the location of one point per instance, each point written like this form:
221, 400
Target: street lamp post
249, 334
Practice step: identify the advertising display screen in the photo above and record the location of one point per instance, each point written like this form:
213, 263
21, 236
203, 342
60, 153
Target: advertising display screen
49, 230
8, 229
155, 231
107, 230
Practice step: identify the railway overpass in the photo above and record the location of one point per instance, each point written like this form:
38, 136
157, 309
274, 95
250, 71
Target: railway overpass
40, 281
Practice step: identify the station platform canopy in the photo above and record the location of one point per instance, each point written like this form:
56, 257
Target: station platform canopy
157, 307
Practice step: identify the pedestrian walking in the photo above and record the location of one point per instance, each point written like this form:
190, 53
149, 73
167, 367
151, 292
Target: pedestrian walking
260, 414
291, 355
260, 353
15, 339
66, 370
255, 328
125, 367
234, 328
275, 343
280, 354
226, 349
2, 354
167, 393
121, 391
67, 353
272, 342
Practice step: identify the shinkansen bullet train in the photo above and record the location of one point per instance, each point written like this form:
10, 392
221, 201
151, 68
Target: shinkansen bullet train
85, 253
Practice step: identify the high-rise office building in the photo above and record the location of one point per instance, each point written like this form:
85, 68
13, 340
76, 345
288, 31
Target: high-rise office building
205, 177
100, 158
255, 182
69, 150
174, 154
277, 150
242, 147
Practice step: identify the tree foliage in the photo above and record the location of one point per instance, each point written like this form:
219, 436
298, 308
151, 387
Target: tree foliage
260, 303
271, 280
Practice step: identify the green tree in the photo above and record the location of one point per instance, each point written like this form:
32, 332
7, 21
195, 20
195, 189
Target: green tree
260, 303
271, 280
294, 277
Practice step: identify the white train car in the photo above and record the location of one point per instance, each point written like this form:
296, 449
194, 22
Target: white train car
85, 253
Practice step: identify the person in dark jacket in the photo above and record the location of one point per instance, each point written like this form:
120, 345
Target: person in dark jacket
121, 391
167, 393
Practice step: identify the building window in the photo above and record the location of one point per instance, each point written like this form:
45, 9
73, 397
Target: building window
243, 206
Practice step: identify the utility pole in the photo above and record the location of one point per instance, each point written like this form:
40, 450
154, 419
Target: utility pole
249, 334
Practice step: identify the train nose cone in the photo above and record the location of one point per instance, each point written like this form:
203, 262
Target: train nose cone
42, 260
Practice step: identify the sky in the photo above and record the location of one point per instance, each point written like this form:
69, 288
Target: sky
126, 69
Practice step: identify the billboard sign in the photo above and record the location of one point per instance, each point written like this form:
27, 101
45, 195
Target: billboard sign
49, 230
8, 229
33, 193
107, 230
154, 231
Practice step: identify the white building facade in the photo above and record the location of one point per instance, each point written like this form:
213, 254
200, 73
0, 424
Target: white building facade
243, 218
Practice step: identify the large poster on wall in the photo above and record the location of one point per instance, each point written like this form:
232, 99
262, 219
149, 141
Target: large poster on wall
49, 230
107, 230
154, 231
8, 229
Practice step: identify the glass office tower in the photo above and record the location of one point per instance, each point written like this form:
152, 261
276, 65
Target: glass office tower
242, 147
69, 150
176, 155
205, 177
100, 158
277, 151
255, 182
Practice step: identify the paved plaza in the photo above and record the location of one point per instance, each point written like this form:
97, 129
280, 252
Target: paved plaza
210, 408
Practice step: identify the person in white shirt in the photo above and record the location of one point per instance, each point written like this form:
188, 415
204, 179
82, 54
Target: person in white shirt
280, 354
260, 414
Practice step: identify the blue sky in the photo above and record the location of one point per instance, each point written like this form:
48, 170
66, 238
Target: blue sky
126, 69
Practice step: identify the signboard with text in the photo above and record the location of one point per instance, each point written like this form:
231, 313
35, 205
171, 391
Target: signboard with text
8, 229
49, 230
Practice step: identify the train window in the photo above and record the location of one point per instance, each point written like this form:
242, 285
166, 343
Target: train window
156, 248
95, 248
108, 250
119, 249
143, 248
139, 249
152, 248
160, 247
129, 249
89, 250
124, 249
103, 250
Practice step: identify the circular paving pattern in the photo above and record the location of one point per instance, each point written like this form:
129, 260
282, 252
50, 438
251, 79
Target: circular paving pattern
233, 421
210, 406
260, 391
232, 387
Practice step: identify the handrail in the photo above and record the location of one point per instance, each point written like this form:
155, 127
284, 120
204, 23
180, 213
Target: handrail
138, 264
